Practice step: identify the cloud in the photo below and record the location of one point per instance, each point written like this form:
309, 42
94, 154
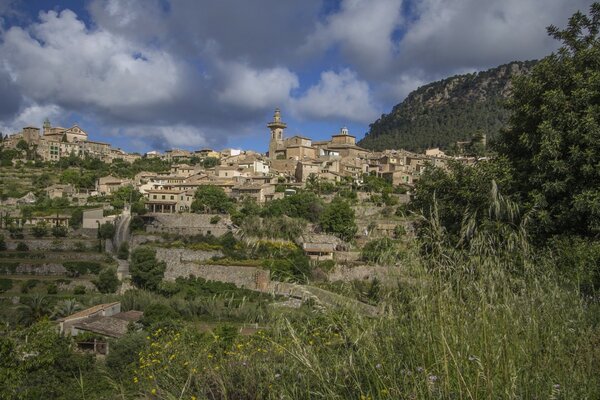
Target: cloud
363, 29
214, 70
166, 136
446, 36
256, 89
32, 115
59, 60
337, 96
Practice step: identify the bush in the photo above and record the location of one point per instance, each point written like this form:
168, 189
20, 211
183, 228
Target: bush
5, 285
2, 243
158, 313
29, 284
107, 281
39, 230
123, 355
215, 219
59, 231
22, 246
76, 268
123, 252
79, 289
51, 288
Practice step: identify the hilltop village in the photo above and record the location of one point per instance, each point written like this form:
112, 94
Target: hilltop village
289, 164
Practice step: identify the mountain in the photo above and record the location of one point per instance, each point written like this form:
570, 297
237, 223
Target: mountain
444, 112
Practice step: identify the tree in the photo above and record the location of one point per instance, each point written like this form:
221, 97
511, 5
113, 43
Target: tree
107, 230
338, 218
210, 162
107, 281
146, 271
553, 140
460, 189
210, 198
22, 145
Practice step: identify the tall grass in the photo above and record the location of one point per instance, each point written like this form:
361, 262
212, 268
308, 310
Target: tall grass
489, 319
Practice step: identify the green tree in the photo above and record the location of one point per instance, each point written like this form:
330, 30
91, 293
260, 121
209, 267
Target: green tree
107, 281
339, 218
460, 189
107, 230
553, 139
146, 271
210, 198
210, 162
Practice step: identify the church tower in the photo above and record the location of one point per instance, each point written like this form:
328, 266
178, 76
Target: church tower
276, 127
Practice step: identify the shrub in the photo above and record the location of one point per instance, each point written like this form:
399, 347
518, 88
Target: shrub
59, 231
215, 219
51, 288
76, 268
22, 246
2, 243
123, 252
29, 284
107, 281
5, 285
157, 313
39, 230
79, 289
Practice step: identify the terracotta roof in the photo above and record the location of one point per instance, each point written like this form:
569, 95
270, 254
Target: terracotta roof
106, 326
89, 311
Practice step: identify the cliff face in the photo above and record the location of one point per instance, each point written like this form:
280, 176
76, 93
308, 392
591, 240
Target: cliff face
450, 110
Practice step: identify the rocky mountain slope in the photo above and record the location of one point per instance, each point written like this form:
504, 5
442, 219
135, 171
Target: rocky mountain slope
450, 110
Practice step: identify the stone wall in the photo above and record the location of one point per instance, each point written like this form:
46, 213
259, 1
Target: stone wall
244, 277
189, 224
177, 256
51, 244
29, 268
184, 262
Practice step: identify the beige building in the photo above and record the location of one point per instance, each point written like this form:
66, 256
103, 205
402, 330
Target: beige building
110, 184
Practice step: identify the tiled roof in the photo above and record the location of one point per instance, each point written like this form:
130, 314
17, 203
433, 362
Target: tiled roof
90, 311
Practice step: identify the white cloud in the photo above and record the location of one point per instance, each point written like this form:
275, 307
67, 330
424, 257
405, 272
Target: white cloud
337, 96
464, 34
256, 89
363, 29
61, 61
33, 115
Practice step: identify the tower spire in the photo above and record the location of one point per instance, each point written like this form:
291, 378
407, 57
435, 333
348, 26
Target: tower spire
276, 127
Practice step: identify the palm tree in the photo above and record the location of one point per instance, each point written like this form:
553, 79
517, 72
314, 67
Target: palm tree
65, 308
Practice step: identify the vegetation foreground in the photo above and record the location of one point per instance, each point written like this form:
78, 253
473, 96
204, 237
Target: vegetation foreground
497, 296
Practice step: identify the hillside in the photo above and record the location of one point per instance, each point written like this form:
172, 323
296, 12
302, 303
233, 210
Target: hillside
450, 110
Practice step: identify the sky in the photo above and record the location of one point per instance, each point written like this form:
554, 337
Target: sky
159, 74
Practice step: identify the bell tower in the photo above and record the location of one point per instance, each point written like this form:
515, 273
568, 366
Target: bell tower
276, 127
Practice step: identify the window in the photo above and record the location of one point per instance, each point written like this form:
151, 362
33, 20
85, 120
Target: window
163, 196
172, 197
154, 197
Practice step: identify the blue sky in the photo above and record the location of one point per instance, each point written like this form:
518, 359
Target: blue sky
158, 74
